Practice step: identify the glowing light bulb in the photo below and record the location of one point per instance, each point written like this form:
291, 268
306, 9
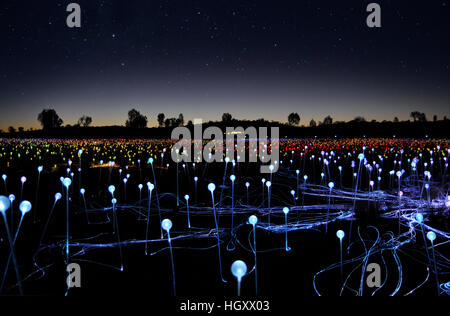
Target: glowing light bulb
186, 197
67, 182
4, 176
340, 234
23, 180
140, 186
111, 189
419, 217
285, 210
253, 220
5, 203
268, 184
232, 177
297, 171
25, 207
361, 156
331, 185
166, 224
247, 184
40, 168
195, 179
239, 269
150, 161
114, 201
150, 186
82, 191
12, 197
211, 187
58, 196
431, 236
305, 177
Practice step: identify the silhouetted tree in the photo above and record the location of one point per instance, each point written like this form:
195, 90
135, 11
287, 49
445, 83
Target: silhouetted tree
445, 118
359, 119
293, 119
226, 117
396, 119
11, 129
85, 121
49, 119
418, 116
171, 122
161, 118
312, 123
21, 129
136, 119
327, 120
435, 118
180, 120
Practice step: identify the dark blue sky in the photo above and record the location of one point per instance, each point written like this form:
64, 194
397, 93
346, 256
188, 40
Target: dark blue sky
202, 58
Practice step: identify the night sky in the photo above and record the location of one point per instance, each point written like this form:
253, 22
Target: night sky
253, 59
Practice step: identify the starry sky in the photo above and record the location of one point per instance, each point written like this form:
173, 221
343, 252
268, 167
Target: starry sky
251, 58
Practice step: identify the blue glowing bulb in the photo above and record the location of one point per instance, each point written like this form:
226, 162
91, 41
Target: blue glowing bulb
305, 177
150, 186
239, 269
111, 189
227, 160
125, 180
263, 180
268, 184
292, 192
232, 177
286, 210
67, 182
12, 197
419, 217
4, 176
150, 161
399, 174
297, 171
361, 156
247, 184
195, 179
25, 207
331, 185
271, 167
40, 168
186, 197
166, 224
340, 234
211, 187
114, 201
253, 220
23, 180
82, 191
431, 236
58, 196
427, 186
140, 186
5, 203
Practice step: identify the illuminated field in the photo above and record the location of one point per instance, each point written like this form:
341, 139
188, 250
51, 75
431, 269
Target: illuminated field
102, 204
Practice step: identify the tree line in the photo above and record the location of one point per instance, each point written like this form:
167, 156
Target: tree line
49, 119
